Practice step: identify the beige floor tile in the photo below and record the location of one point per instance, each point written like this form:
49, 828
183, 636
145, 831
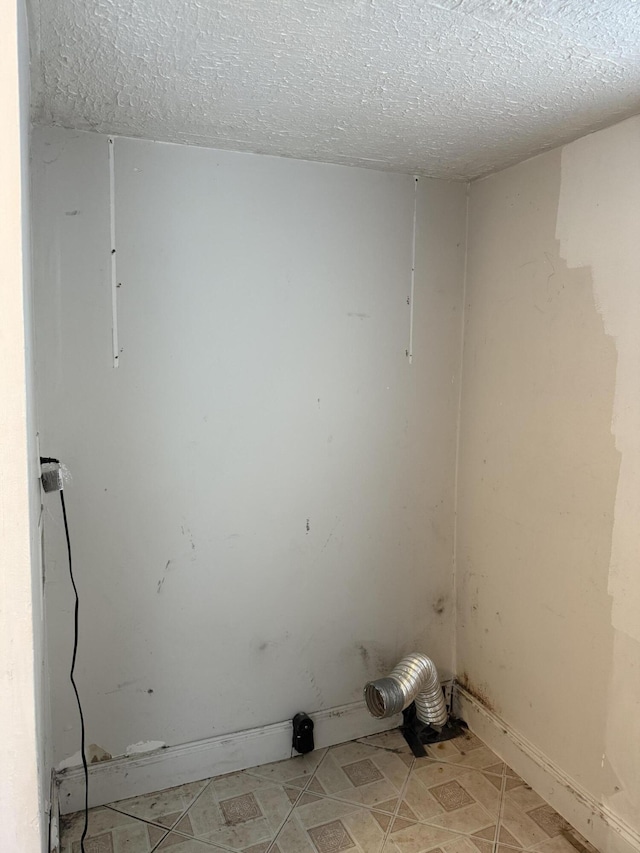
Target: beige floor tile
480, 759
524, 797
466, 749
329, 826
109, 832
530, 815
460, 844
435, 772
433, 781
238, 811
569, 841
294, 771
417, 802
174, 843
484, 837
420, 838
472, 844
362, 774
505, 838
518, 823
162, 807
465, 819
341, 799
392, 740
100, 820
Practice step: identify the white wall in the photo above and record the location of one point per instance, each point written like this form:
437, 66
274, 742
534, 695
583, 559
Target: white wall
23, 771
549, 495
262, 498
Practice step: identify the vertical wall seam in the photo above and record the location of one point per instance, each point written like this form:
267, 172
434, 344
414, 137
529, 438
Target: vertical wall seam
114, 272
413, 268
458, 424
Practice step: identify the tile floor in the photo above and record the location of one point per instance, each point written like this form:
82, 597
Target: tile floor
368, 796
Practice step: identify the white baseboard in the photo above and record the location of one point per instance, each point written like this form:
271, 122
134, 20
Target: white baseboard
54, 816
596, 821
175, 765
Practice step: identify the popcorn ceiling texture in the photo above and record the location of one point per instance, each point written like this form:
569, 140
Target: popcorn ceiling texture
453, 89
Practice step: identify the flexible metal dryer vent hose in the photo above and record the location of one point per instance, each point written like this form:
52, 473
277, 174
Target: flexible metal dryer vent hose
414, 679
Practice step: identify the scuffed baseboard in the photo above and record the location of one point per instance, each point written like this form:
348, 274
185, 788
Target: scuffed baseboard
175, 765
596, 821
54, 816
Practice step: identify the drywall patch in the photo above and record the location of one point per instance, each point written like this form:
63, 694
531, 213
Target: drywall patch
538, 475
94, 754
597, 226
74, 760
144, 746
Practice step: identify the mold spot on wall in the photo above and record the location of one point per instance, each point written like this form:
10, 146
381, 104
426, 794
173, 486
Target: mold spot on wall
478, 693
373, 658
439, 605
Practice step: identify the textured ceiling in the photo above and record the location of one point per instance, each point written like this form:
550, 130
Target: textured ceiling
453, 88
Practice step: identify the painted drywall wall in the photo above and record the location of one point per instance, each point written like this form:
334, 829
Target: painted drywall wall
22, 779
548, 587
262, 497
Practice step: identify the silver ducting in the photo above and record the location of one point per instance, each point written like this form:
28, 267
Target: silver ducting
414, 679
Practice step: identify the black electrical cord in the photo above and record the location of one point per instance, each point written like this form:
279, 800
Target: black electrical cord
71, 675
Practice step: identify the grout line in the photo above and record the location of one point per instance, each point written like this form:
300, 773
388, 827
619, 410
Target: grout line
503, 788
503, 797
134, 816
456, 476
153, 822
155, 846
400, 801
303, 791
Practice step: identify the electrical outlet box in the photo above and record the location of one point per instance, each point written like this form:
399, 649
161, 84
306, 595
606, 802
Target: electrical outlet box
51, 476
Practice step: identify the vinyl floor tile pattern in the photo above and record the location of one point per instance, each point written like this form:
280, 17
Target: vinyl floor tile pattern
366, 796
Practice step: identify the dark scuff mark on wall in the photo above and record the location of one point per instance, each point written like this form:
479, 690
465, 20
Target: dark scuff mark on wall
308, 525
330, 536
373, 658
262, 644
439, 605
364, 654
167, 569
122, 685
